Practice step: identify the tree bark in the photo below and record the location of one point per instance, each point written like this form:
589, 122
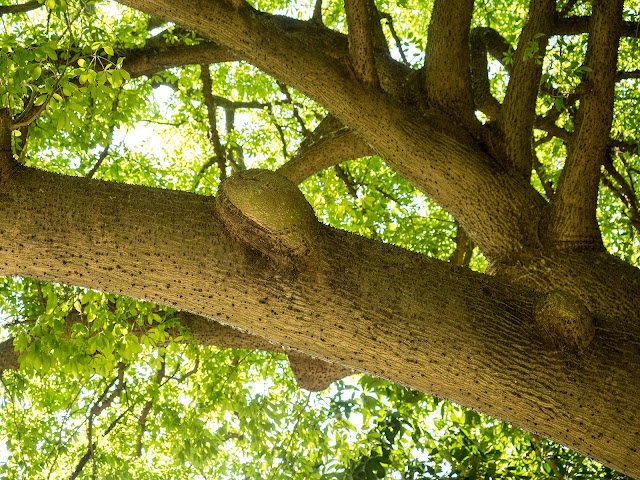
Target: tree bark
463, 336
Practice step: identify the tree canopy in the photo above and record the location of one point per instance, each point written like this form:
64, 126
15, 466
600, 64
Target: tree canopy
174, 307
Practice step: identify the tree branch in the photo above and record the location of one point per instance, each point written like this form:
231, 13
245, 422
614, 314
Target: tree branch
579, 25
447, 76
20, 8
329, 144
407, 310
366, 39
443, 161
142, 419
483, 100
519, 107
311, 373
622, 75
148, 61
214, 137
572, 217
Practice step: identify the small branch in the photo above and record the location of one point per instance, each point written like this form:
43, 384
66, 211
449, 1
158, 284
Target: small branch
283, 138
394, 35
21, 8
579, 25
193, 371
446, 67
105, 150
519, 107
546, 184
98, 407
483, 100
347, 180
214, 137
329, 144
317, 13
464, 248
142, 421
573, 220
303, 128
366, 39
198, 178
622, 75
624, 191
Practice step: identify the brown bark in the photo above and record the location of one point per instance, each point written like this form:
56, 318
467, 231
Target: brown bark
366, 39
497, 210
519, 107
447, 331
446, 66
572, 217
329, 144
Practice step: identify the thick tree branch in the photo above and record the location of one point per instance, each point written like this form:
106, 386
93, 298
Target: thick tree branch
519, 107
407, 311
579, 25
329, 144
366, 39
572, 218
20, 8
148, 61
311, 373
446, 66
444, 162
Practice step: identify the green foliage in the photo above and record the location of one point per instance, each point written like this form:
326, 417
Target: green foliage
126, 376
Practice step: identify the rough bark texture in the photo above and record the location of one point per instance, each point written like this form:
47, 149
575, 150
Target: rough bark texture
549, 342
420, 322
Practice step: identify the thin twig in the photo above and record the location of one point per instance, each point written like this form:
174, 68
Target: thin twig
396, 38
214, 137
303, 128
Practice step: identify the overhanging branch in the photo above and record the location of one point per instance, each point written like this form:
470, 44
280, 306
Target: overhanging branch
411, 317
572, 218
446, 66
329, 144
519, 107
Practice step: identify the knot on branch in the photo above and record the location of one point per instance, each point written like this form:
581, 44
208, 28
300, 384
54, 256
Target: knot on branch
268, 212
563, 320
314, 374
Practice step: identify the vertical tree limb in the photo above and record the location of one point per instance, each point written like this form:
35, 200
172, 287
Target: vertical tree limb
572, 217
214, 137
446, 66
519, 107
483, 100
365, 39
